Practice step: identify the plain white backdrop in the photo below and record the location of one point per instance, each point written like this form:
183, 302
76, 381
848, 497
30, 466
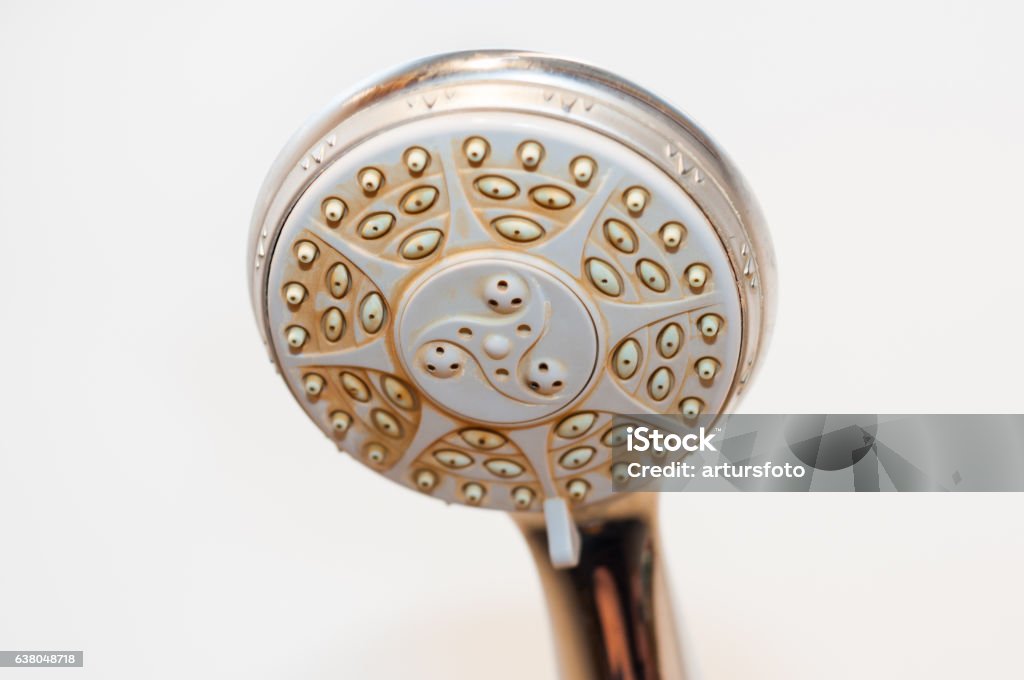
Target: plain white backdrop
167, 508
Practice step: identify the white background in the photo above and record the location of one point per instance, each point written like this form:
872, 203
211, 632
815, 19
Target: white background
165, 506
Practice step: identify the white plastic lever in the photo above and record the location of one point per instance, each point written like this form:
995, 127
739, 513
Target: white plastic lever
563, 536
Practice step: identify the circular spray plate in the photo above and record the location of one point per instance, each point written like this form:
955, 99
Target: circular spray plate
496, 340
463, 298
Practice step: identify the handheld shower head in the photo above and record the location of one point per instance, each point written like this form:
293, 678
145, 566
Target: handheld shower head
466, 267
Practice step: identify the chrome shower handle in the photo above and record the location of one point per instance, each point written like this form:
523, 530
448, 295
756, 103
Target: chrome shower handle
611, 615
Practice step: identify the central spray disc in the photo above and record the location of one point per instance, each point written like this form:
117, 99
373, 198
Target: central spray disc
497, 340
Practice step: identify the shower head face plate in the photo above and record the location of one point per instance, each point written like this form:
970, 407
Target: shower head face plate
463, 298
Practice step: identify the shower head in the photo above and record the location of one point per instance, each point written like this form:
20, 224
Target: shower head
464, 269
467, 266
